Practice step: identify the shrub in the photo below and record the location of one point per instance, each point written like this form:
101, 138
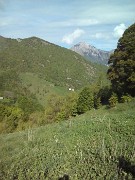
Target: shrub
126, 98
10, 117
60, 108
113, 100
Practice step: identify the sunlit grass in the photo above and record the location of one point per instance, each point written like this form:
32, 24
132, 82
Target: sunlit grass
41, 88
85, 147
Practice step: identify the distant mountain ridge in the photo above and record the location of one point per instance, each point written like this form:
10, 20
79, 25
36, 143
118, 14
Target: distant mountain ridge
92, 53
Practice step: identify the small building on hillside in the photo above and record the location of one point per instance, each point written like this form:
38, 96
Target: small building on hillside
71, 89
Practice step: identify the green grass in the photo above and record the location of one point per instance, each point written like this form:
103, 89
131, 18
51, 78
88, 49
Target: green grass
41, 88
84, 147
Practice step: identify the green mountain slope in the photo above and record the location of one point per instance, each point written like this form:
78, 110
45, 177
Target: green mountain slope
45, 62
34, 72
85, 147
50, 62
41, 88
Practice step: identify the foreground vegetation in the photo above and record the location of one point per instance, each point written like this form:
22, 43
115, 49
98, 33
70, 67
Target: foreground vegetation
84, 147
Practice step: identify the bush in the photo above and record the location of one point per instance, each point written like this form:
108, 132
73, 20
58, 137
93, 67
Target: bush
28, 104
113, 100
10, 115
126, 98
60, 108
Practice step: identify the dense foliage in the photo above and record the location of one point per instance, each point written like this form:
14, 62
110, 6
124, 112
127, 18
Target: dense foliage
85, 100
58, 108
15, 112
50, 62
122, 64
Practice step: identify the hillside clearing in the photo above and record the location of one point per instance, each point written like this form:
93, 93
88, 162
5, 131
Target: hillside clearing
41, 88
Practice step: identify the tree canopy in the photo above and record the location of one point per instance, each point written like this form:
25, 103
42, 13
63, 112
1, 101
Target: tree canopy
121, 71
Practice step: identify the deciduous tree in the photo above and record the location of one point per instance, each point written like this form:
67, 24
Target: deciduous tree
122, 64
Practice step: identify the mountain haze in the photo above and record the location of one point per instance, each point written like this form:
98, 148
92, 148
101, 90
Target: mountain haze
92, 53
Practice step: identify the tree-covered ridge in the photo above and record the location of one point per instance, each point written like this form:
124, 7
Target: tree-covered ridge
51, 62
122, 64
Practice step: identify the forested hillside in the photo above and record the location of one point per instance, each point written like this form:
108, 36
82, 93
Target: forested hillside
50, 62
33, 72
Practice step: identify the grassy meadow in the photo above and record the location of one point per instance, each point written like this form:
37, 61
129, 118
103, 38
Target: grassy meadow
84, 147
41, 88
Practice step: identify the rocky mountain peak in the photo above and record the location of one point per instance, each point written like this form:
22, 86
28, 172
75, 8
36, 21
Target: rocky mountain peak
92, 53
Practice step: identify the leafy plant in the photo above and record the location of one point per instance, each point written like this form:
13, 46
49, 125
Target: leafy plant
126, 98
113, 100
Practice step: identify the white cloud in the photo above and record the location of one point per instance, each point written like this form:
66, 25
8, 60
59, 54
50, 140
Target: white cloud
70, 38
119, 30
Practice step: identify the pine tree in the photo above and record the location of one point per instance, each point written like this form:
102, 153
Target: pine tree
85, 100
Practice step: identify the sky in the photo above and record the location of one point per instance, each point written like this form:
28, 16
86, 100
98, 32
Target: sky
67, 22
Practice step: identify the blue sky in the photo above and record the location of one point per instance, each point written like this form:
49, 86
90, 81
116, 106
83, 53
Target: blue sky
66, 22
